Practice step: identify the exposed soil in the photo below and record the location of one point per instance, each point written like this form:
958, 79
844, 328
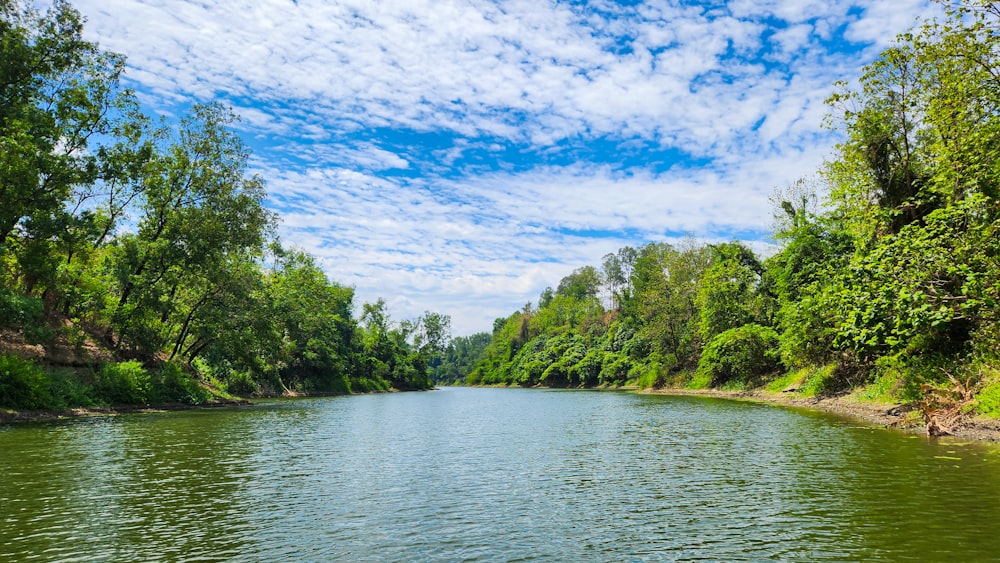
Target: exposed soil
7, 416
59, 352
897, 416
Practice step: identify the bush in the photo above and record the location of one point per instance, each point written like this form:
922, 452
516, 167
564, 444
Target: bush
24, 313
744, 354
23, 385
241, 383
123, 383
173, 385
614, 369
366, 385
988, 399
646, 375
819, 380
699, 380
69, 389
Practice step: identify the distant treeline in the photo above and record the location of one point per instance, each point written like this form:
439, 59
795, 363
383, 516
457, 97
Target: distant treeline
149, 239
887, 276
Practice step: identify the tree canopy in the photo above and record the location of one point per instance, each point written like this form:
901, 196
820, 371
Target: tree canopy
151, 237
886, 272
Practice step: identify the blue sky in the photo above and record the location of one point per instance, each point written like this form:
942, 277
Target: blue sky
459, 156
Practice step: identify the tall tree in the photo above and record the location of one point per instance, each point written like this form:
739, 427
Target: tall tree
198, 208
60, 100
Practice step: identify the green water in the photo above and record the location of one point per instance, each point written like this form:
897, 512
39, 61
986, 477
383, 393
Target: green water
492, 475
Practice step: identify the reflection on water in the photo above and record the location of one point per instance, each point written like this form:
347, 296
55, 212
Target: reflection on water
492, 475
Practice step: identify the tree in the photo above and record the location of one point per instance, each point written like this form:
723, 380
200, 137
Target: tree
432, 333
198, 208
60, 103
666, 290
57, 92
460, 357
314, 321
582, 283
729, 293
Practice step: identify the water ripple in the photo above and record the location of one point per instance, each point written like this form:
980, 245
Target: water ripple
492, 475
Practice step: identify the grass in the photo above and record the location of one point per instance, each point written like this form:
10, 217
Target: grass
988, 398
700, 381
885, 388
785, 381
817, 380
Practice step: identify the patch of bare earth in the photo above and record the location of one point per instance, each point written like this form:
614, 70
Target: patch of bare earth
904, 417
58, 352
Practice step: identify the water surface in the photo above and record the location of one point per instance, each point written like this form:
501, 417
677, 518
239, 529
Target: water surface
492, 475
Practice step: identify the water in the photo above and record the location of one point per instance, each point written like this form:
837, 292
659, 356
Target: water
492, 475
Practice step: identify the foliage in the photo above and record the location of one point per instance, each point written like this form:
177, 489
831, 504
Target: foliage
23, 385
242, 384
460, 358
123, 383
988, 398
70, 388
172, 384
24, 313
648, 376
818, 380
744, 354
664, 307
152, 236
730, 293
925, 289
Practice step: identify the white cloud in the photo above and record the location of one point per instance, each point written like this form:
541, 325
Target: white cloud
477, 216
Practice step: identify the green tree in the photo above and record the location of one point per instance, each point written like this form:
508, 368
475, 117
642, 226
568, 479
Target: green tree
668, 307
198, 208
314, 318
730, 294
57, 92
460, 357
61, 110
583, 283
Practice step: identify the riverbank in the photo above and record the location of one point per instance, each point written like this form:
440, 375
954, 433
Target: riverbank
10, 416
888, 415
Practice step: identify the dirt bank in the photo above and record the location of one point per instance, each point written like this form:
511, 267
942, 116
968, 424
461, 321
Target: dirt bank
8, 416
895, 416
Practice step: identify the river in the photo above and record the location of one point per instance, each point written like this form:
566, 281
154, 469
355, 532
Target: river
492, 475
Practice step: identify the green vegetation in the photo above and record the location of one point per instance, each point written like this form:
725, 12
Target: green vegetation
149, 241
886, 280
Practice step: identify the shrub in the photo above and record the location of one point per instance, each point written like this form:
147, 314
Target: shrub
23, 385
367, 385
123, 383
172, 384
819, 380
614, 370
988, 399
744, 354
241, 383
646, 376
25, 314
699, 380
69, 389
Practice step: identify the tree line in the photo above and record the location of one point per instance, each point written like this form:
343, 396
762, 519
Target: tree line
151, 238
886, 275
